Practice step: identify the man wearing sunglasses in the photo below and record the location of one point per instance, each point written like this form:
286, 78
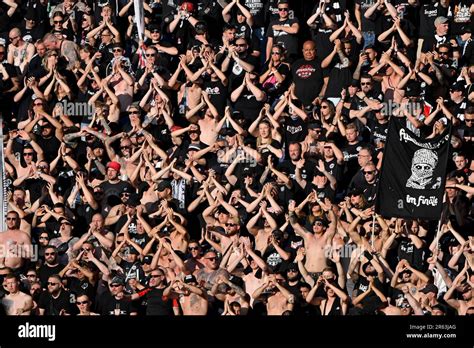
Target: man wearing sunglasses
55, 301
16, 242
19, 51
283, 31
50, 267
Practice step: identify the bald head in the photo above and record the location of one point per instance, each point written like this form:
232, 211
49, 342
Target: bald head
15, 31
309, 50
15, 36
51, 41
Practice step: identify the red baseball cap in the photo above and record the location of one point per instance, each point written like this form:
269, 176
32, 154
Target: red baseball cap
114, 165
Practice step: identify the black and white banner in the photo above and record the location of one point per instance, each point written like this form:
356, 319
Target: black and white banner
413, 173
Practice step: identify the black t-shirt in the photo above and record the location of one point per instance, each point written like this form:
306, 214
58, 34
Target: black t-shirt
109, 305
248, 105
350, 153
274, 260
295, 130
457, 109
307, 172
308, 79
408, 251
320, 35
289, 41
428, 14
323, 192
461, 15
236, 73
256, 8
113, 189
367, 25
79, 287
53, 306
217, 94
50, 147
157, 304
46, 271
334, 169
377, 130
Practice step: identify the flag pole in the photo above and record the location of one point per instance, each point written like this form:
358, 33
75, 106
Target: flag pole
3, 186
373, 230
439, 225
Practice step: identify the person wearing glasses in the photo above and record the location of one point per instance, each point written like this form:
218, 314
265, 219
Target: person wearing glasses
238, 62
55, 301
16, 302
51, 265
283, 31
115, 302
19, 51
31, 154
16, 241
210, 273
83, 303
157, 295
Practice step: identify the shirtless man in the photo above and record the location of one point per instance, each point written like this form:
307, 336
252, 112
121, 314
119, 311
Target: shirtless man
15, 245
28, 154
126, 158
209, 125
66, 48
192, 299
467, 303
179, 237
16, 302
19, 51
193, 263
211, 271
122, 85
315, 243
251, 280
262, 234
97, 235
278, 298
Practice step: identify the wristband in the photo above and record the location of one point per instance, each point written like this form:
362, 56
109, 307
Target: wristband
143, 292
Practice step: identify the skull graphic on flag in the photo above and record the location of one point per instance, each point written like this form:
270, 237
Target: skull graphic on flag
422, 167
